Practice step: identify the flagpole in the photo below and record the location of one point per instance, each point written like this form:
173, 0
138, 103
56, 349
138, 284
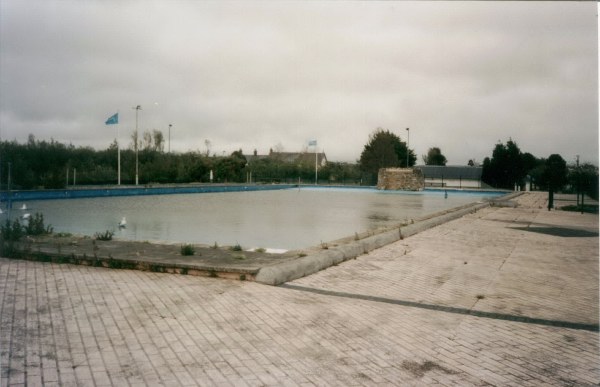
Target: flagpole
112, 120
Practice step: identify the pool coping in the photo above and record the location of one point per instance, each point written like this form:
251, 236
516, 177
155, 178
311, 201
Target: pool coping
350, 248
228, 262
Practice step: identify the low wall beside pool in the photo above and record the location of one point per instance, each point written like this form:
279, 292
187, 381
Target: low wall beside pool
132, 191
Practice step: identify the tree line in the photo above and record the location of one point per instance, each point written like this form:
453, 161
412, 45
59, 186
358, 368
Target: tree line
509, 167
52, 165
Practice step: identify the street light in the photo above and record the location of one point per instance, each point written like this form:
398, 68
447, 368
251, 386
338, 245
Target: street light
137, 108
170, 137
407, 144
9, 199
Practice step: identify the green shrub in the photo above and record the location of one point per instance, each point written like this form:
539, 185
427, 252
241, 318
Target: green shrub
104, 236
9, 250
11, 232
237, 247
187, 250
35, 226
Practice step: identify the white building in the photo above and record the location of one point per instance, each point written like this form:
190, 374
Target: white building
454, 176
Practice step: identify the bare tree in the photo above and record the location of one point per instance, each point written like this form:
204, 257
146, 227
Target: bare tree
207, 144
147, 140
135, 140
159, 140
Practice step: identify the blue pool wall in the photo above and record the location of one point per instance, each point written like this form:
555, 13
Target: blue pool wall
135, 191
108, 192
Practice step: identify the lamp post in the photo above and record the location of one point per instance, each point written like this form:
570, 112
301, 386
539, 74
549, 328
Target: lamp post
407, 144
316, 167
137, 108
314, 143
9, 199
578, 185
118, 159
170, 138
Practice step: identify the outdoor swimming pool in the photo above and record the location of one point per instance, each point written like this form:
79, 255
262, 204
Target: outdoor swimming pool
281, 219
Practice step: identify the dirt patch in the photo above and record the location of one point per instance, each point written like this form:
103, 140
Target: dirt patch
419, 369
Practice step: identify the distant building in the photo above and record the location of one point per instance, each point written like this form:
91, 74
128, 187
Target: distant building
255, 157
300, 157
455, 176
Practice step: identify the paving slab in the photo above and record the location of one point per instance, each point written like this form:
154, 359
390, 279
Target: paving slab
411, 313
524, 261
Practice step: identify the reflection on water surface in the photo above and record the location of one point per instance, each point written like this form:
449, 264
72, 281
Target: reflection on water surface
287, 219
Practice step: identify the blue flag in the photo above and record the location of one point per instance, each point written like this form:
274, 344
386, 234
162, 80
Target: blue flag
114, 119
312, 143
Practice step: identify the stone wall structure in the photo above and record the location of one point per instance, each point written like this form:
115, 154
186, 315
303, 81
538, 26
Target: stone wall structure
408, 179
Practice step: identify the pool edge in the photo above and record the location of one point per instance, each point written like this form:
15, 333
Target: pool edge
283, 272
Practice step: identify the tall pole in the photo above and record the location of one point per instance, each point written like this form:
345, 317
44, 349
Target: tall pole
9, 205
407, 144
314, 143
170, 137
577, 188
137, 181
118, 157
316, 176
0, 161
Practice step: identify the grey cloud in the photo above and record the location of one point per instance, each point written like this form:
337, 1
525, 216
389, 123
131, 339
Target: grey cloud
462, 75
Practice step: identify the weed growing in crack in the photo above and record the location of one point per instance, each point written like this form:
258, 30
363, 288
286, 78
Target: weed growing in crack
236, 247
187, 250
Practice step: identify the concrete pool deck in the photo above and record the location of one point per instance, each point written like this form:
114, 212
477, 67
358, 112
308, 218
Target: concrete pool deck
224, 261
505, 296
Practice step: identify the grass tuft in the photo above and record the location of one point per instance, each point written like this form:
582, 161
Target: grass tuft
236, 247
187, 249
104, 236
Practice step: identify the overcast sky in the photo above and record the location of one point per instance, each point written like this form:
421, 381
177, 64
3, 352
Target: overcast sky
256, 75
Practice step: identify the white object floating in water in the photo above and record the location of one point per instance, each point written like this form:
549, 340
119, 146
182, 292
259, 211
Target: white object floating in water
123, 223
23, 207
26, 216
268, 250
275, 251
1, 212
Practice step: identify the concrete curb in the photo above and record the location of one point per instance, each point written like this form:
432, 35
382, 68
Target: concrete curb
288, 271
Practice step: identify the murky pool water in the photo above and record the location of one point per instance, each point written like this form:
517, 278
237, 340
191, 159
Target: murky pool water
284, 219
